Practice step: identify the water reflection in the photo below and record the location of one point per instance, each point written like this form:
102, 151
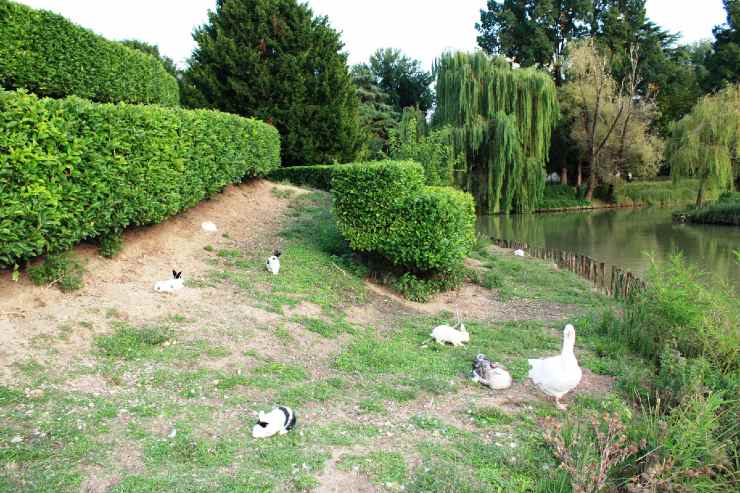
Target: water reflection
625, 237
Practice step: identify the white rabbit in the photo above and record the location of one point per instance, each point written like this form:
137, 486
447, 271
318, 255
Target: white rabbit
519, 253
446, 334
209, 227
273, 262
276, 422
170, 285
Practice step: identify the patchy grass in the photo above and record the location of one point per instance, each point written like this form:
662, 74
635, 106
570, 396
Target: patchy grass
156, 407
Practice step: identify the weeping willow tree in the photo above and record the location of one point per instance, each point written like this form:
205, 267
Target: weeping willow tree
704, 144
501, 120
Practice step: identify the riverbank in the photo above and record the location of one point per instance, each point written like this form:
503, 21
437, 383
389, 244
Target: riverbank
117, 388
724, 211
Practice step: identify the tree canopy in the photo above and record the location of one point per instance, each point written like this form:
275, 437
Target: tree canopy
724, 62
706, 142
276, 61
500, 120
402, 78
377, 115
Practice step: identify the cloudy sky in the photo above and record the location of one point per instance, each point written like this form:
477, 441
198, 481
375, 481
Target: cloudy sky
421, 28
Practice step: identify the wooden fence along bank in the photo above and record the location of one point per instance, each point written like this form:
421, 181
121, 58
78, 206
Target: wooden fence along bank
610, 279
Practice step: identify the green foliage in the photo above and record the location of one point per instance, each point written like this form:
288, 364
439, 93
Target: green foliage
402, 78
318, 177
660, 193
377, 115
723, 62
60, 270
274, 60
152, 50
46, 54
501, 120
678, 311
561, 196
384, 208
421, 288
705, 143
110, 245
413, 141
75, 170
726, 210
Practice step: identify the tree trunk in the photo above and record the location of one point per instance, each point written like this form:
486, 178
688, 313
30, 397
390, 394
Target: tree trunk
564, 176
591, 178
579, 177
700, 194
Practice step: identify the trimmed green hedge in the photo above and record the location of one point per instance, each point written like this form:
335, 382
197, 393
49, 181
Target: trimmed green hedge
71, 169
385, 208
50, 56
313, 176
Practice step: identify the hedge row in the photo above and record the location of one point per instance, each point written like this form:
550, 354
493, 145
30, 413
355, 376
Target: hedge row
48, 55
385, 208
71, 169
313, 176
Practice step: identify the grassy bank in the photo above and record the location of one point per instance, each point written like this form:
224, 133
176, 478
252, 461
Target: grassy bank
725, 210
166, 402
661, 193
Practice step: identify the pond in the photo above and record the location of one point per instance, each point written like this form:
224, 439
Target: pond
626, 238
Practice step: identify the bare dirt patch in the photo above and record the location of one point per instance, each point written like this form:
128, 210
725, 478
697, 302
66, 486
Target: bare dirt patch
477, 303
249, 214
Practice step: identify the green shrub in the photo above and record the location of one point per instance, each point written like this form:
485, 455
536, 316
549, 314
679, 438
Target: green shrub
109, 245
384, 208
73, 170
725, 210
561, 196
691, 335
659, 193
59, 270
50, 56
318, 177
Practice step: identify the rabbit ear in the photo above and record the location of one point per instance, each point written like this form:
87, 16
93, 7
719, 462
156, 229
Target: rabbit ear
179, 275
277, 253
174, 273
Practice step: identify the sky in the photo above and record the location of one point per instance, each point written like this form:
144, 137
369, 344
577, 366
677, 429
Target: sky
422, 29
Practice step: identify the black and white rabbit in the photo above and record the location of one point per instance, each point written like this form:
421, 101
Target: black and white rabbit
170, 285
277, 422
273, 262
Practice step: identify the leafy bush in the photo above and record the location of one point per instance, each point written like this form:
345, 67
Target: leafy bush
561, 196
385, 208
60, 270
110, 245
660, 193
413, 141
72, 170
48, 55
726, 210
691, 334
313, 176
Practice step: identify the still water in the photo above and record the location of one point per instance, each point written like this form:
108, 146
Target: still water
626, 238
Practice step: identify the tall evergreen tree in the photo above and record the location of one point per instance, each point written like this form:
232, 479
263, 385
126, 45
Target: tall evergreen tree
274, 60
378, 116
724, 63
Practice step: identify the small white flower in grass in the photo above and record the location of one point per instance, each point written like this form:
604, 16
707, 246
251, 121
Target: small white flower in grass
16, 439
173, 433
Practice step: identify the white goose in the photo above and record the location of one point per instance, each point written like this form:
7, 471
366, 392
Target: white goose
558, 375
